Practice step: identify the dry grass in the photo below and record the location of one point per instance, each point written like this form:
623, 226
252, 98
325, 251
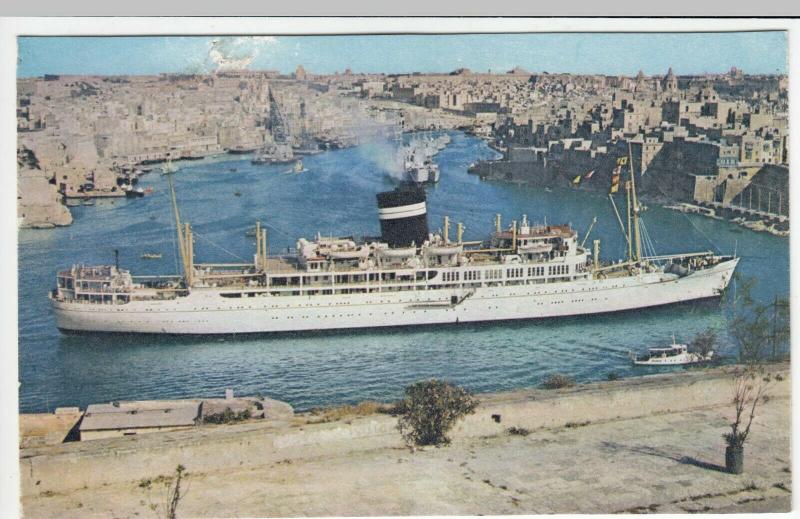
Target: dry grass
332, 414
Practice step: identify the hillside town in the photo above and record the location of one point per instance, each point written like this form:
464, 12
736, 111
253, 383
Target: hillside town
715, 144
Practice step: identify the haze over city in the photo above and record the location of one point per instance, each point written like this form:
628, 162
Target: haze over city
583, 53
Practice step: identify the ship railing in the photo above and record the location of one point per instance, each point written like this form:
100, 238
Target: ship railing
101, 290
172, 277
677, 256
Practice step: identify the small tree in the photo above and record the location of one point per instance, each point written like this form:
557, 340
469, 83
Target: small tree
704, 342
749, 390
760, 330
430, 409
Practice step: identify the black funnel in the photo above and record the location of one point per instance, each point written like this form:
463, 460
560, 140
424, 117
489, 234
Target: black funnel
403, 214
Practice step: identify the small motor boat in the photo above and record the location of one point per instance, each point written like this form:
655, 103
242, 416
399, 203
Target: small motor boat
151, 255
133, 192
673, 355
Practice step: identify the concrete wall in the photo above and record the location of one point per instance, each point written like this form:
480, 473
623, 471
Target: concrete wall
119, 433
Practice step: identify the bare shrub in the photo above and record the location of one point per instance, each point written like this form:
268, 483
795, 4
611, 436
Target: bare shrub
557, 381
173, 492
518, 431
227, 416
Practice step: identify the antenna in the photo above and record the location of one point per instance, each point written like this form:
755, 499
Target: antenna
116, 258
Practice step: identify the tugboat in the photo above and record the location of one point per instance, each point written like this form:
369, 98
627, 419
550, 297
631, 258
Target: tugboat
673, 355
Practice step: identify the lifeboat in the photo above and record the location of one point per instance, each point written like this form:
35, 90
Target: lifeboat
403, 252
444, 250
536, 247
361, 252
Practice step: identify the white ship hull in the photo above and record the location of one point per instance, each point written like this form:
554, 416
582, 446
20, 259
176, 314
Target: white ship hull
205, 311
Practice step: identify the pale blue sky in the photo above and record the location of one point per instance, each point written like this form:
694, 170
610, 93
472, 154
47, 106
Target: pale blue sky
602, 53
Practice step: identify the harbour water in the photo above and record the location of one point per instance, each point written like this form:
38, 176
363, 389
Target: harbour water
336, 195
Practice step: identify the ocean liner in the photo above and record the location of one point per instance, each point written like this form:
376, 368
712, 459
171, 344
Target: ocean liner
408, 276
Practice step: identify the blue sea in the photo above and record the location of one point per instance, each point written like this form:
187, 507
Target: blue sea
336, 195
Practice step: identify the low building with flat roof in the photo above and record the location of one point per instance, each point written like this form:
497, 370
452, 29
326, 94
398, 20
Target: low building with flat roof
131, 418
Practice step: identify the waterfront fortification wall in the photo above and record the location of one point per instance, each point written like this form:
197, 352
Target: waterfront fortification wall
72, 466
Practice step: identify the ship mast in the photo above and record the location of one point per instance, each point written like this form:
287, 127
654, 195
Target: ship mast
182, 240
636, 237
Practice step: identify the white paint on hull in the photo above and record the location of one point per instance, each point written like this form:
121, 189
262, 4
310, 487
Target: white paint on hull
204, 311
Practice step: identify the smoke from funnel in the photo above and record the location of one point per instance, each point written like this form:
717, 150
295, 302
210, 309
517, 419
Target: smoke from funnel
379, 142
236, 53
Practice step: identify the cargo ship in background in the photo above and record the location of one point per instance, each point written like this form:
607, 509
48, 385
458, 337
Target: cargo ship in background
408, 276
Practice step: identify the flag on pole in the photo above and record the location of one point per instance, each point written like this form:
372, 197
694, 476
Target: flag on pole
589, 175
576, 180
615, 181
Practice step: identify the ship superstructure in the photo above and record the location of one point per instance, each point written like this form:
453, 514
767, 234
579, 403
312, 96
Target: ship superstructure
407, 276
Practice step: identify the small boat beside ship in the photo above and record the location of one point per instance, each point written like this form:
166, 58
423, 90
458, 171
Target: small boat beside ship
151, 255
672, 355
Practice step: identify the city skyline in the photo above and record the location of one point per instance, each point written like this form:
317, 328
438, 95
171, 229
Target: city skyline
577, 53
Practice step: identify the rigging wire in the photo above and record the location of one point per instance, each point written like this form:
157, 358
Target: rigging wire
264, 224
649, 245
700, 231
621, 226
220, 247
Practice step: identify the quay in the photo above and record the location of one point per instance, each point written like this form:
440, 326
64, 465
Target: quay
96, 194
647, 444
750, 211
